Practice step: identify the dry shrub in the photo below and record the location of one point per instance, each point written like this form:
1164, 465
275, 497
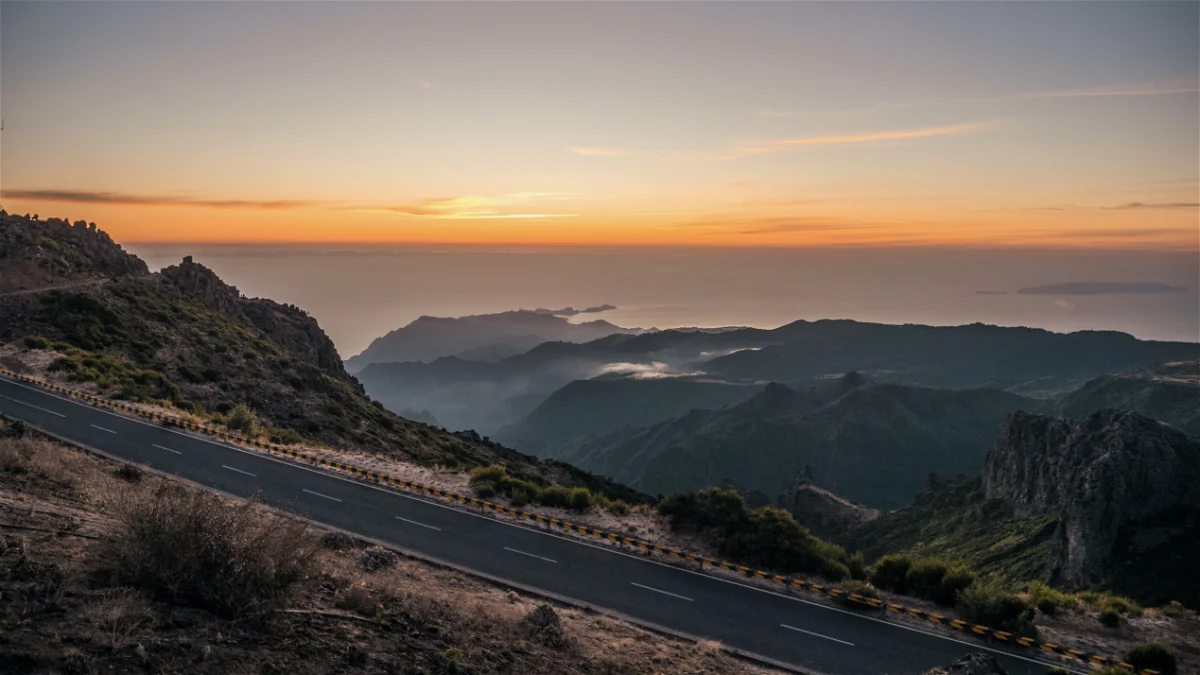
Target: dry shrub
359, 599
190, 547
544, 626
338, 541
118, 617
376, 558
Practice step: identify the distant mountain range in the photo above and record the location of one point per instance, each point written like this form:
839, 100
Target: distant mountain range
483, 337
871, 442
494, 397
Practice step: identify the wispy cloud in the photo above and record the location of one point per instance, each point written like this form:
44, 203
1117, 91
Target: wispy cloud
1153, 88
782, 144
1128, 206
469, 207
126, 199
751, 148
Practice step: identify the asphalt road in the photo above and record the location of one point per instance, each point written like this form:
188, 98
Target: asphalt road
790, 629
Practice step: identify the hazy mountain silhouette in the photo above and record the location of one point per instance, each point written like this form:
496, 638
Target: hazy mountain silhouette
486, 335
491, 396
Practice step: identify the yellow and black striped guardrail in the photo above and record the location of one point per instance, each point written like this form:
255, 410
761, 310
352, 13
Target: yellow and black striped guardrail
647, 547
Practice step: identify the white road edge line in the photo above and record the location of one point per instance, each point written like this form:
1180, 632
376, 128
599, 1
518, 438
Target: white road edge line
226, 466
103, 429
530, 555
33, 406
295, 465
809, 632
163, 447
317, 494
421, 524
673, 595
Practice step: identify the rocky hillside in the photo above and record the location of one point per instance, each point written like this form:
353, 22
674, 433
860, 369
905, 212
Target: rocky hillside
869, 442
1123, 488
825, 514
38, 253
185, 336
1168, 393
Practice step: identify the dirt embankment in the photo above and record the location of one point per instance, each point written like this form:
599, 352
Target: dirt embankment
62, 612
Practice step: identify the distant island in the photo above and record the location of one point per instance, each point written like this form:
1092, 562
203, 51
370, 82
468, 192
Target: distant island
1101, 288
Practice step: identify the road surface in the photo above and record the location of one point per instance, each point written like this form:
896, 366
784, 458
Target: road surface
786, 628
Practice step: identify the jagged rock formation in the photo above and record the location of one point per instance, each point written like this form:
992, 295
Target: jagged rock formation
824, 513
286, 325
38, 253
1122, 486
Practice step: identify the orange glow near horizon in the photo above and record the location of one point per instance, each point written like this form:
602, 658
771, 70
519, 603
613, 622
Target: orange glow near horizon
607, 124
1169, 226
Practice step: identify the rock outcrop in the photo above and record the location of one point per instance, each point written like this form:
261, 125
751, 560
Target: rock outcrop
40, 253
286, 325
824, 513
1119, 483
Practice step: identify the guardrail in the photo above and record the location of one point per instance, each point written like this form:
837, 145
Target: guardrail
647, 547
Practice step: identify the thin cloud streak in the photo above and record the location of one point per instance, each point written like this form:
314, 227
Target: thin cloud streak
1157, 88
125, 199
750, 149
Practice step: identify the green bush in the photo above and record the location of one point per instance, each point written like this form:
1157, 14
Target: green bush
579, 499
519, 498
618, 507
958, 579
860, 588
284, 436
765, 537
1109, 617
243, 419
1153, 656
553, 496
924, 578
858, 569
891, 573
991, 604
489, 474
1122, 605
484, 490
1049, 600
36, 342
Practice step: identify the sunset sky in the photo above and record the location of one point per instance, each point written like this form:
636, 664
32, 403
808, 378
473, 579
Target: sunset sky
803, 124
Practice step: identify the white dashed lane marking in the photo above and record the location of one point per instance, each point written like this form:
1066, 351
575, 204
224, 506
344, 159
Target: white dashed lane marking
651, 588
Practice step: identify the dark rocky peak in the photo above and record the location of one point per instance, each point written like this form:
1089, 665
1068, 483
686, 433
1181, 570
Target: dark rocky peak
37, 253
201, 284
1109, 479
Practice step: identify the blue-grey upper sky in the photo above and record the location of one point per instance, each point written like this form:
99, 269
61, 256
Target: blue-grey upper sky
733, 123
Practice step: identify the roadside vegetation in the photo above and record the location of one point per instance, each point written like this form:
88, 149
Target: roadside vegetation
765, 537
489, 481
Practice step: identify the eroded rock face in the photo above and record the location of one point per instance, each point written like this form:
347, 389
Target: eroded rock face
288, 326
204, 286
38, 253
1118, 482
824, 513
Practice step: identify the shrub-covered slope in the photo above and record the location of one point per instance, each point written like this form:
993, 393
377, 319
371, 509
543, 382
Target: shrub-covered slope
216, 349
